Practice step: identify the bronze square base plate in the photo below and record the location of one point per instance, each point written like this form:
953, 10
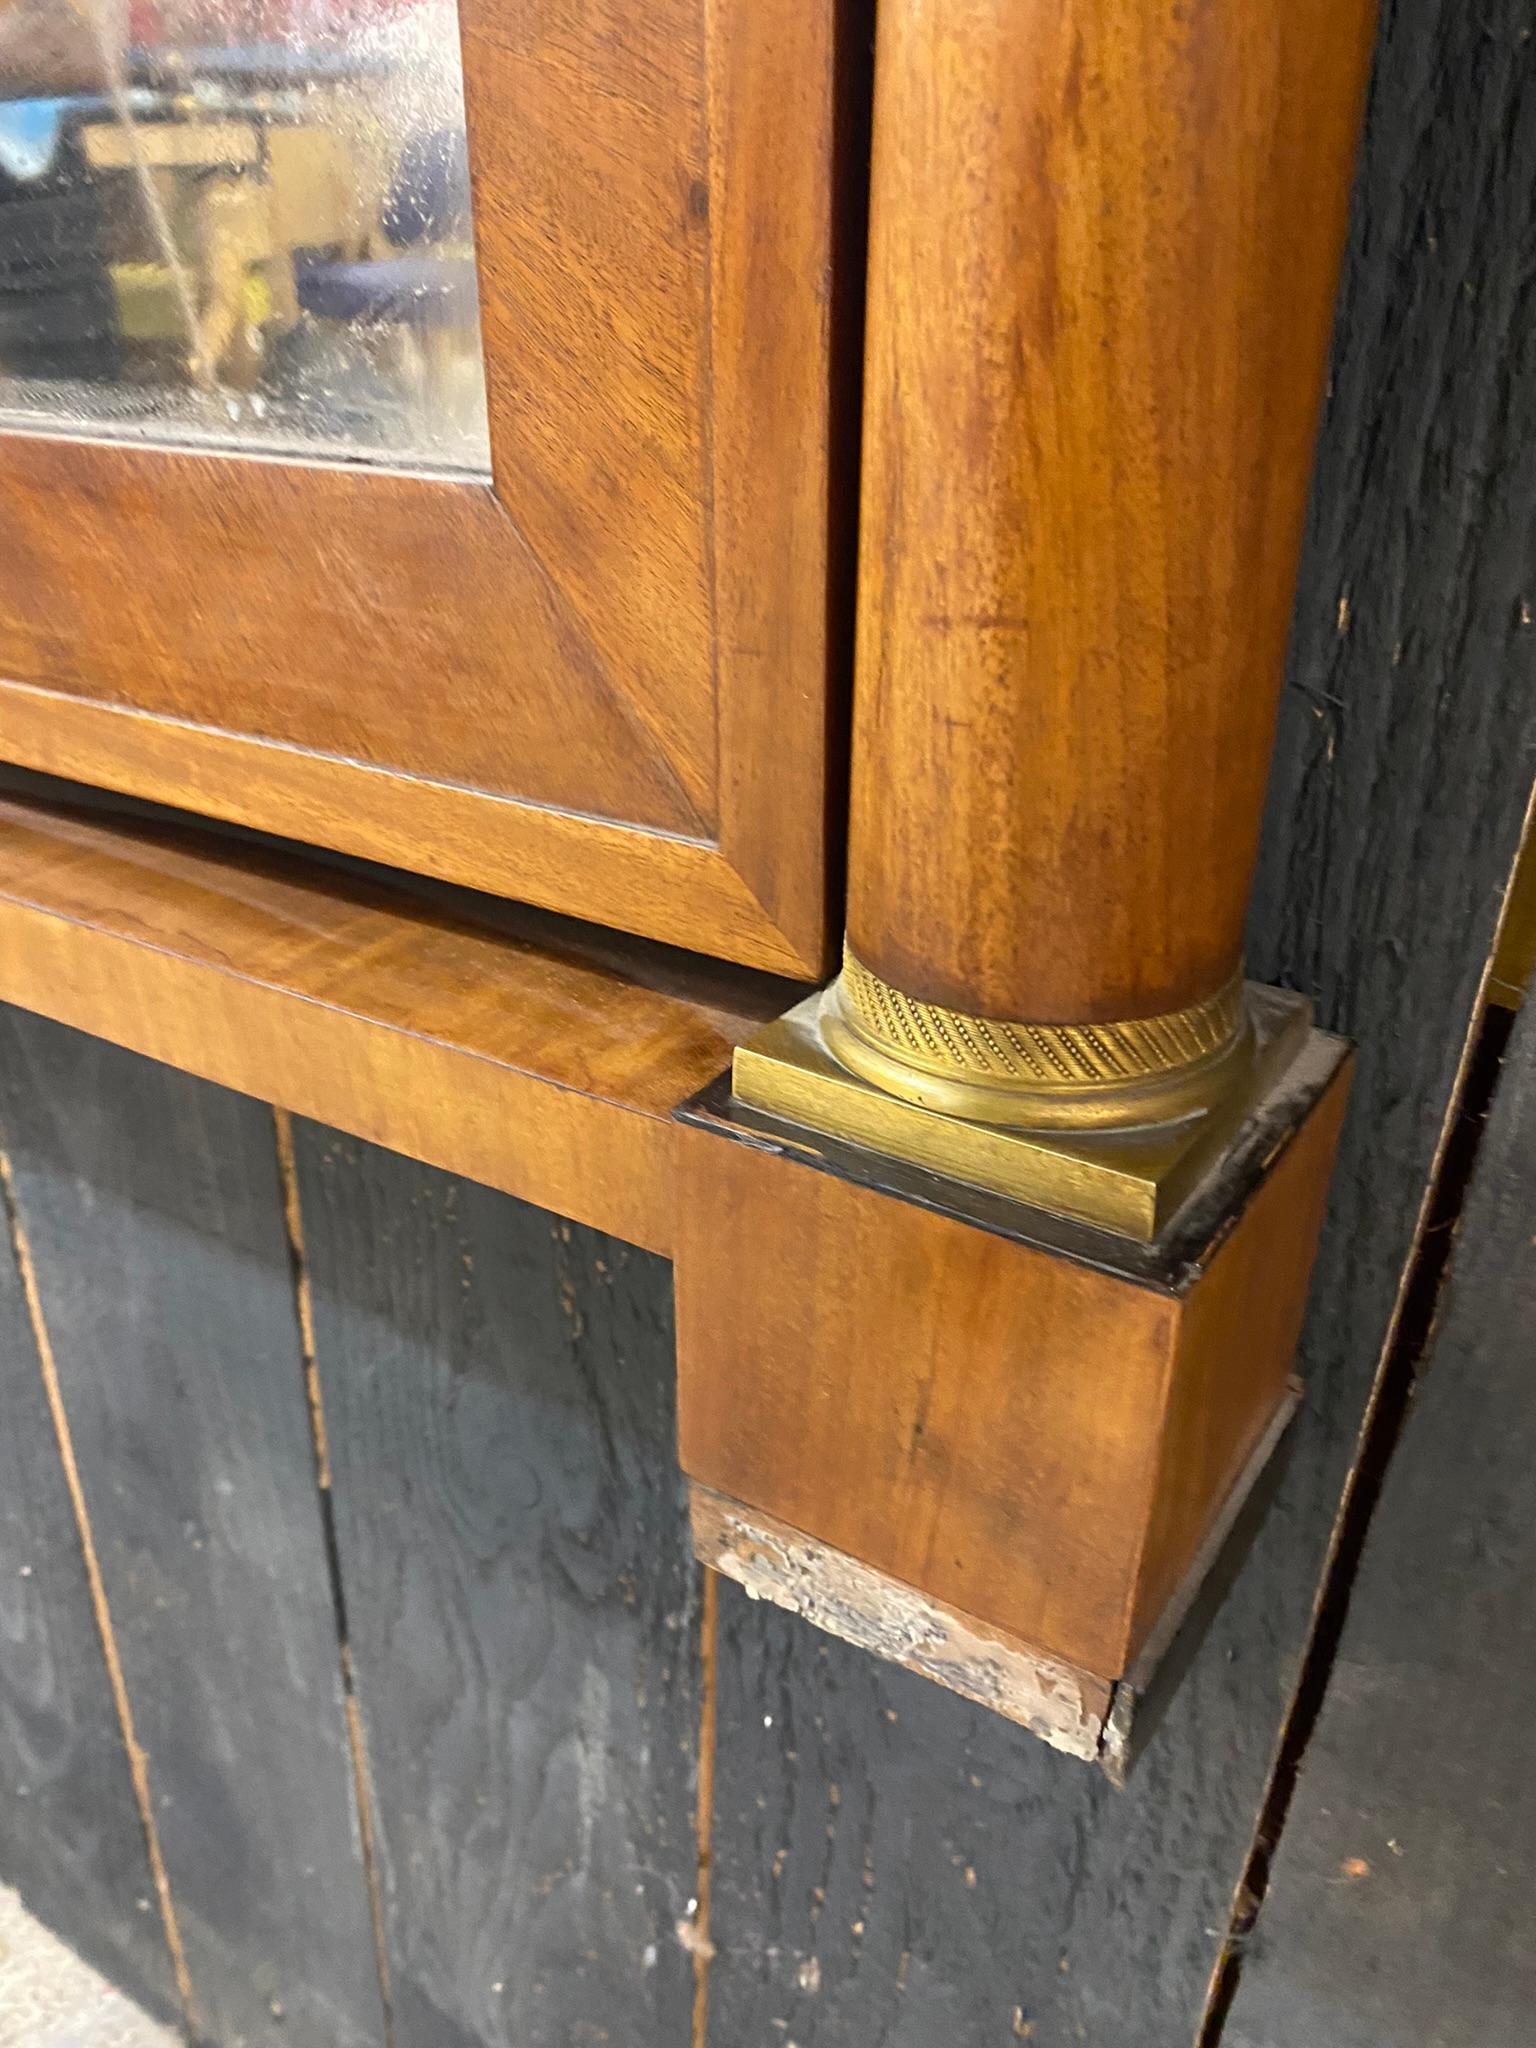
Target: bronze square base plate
1132, 1182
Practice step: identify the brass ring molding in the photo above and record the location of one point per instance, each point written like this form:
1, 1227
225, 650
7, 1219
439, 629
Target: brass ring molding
1033, 1076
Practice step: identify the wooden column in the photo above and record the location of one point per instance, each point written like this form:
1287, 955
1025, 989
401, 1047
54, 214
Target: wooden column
1105, 238
992, 1259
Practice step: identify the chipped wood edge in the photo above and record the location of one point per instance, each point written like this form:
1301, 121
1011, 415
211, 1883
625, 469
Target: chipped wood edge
1143, 1693
1099, 1720
1064, 1706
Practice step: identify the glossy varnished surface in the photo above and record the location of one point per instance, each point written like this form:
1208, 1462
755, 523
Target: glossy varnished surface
558, 687
892, 1865
523, 1052
1036, 1441
847, 1831
1104, 249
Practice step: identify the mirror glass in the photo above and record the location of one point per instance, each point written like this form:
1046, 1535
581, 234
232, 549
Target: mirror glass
241, 225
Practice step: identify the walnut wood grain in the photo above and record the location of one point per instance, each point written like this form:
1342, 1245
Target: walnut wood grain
1104, 250
846, 1830
529, 1054
1039, 1442
475, 679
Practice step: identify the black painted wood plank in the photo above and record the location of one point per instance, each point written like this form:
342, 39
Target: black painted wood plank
521, 1602
71, 1838
1404, 765
1400, 1903
152, 1205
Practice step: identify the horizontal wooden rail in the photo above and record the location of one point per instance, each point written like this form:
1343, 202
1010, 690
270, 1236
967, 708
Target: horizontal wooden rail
520, 1049
850, 1336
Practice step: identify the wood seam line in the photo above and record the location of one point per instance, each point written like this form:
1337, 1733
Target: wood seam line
357, 1746
293, 1224
704, 1810
138, 1762
1221, 1985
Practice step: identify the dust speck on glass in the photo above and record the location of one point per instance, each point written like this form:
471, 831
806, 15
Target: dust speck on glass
240, 224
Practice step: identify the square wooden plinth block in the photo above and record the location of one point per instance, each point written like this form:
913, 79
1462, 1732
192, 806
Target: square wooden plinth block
922, 1414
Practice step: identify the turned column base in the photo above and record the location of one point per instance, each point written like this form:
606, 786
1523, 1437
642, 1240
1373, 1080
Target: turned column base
815, 1069
1036, 1077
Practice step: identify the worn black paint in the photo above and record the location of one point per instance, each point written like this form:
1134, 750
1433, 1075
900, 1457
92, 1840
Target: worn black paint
521, 1602
71, 1840
1403, 769
152, 1206
1399, 1907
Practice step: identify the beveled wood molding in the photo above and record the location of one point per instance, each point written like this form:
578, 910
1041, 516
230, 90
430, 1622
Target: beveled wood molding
674, 889
536, 1055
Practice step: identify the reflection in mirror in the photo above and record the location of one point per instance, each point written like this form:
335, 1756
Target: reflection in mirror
241, 224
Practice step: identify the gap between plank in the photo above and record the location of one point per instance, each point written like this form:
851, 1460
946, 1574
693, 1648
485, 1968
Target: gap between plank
293, 1221
138, 1762
1408, 1338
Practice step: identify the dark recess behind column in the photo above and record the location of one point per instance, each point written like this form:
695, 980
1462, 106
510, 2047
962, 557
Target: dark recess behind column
894, 1868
